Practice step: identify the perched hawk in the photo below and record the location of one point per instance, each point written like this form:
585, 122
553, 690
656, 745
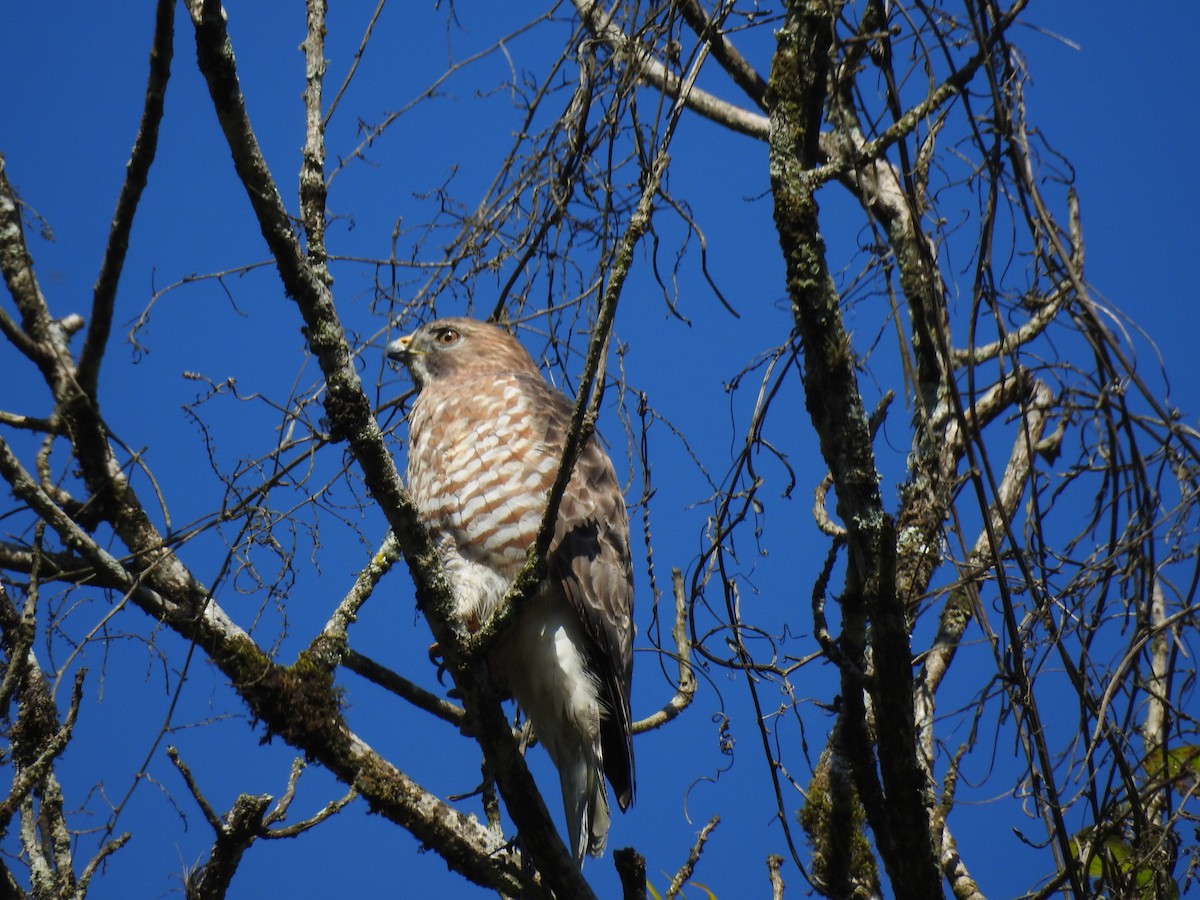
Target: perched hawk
486, 439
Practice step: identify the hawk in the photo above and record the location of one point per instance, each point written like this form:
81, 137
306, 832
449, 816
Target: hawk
486, 437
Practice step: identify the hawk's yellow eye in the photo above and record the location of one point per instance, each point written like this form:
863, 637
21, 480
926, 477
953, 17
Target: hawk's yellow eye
447, 336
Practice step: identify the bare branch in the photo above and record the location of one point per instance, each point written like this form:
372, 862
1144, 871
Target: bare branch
93, 866
640, 63
775, 871
961, 882
358, 55
402, 687
346, 613
686, 690
329, 809
37, 336
209, 814
709, 30
241, 826
631, 867
684, 874
312, 172
137, 171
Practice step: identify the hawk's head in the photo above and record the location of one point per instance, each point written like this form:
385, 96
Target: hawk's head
453, 348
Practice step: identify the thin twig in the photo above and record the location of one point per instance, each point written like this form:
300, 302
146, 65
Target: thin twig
210, 814
402, 687
685, 690
364, 585
708, 29
329, 809
689, 866
638, 60
358, 55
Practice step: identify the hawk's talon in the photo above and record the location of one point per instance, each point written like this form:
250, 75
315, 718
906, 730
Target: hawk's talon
439, 661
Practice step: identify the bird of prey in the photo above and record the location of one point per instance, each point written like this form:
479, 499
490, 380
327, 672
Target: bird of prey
486, 437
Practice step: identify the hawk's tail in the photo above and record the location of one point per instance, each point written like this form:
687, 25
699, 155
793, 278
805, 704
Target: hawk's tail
585, 800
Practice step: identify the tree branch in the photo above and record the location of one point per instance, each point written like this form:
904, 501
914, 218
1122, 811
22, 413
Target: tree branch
402, 687
312, 171
631, 869
774, 871
689, 866
640, 63
346, 613
686, 679
241, 826
901, 824
724, 52
36, 336
145, 145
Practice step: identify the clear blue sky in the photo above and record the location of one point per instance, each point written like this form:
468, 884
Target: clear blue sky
1120, 108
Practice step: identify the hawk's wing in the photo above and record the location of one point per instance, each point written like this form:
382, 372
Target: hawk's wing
589, 561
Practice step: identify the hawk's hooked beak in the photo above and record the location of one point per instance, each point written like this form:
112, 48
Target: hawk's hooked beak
398, 349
